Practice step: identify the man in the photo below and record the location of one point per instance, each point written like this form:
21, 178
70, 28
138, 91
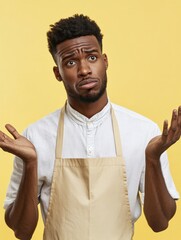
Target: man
89, 164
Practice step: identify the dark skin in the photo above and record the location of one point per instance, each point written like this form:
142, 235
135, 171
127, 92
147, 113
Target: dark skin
81, 67
22, 215
157, 198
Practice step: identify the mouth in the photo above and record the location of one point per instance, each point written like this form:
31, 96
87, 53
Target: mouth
87, 83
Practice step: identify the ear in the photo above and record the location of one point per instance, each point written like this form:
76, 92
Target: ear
105, 60
57, 73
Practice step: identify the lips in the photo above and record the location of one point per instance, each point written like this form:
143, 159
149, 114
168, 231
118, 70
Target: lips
87, 83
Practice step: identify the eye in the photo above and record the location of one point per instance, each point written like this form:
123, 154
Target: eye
92, 58
70, 63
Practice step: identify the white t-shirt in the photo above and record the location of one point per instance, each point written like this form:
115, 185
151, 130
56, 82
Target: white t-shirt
89, 138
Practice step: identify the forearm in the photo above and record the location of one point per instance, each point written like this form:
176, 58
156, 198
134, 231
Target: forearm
22, 215
159, 206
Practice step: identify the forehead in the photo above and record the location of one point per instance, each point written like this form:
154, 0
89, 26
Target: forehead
79, 43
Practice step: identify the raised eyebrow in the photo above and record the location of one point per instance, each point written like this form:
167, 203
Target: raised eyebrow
68, 55
91, 50
72, 54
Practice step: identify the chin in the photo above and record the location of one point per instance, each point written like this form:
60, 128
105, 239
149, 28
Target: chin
90, 98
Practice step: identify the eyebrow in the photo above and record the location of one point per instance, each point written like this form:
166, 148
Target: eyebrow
91, 50
68, 55
71, 54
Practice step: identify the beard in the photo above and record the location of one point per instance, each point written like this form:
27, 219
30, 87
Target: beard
93, 97
90, 96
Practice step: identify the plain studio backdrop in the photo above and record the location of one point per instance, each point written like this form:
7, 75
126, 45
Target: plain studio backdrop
143, 42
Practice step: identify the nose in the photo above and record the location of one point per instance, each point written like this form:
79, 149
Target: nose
84, 68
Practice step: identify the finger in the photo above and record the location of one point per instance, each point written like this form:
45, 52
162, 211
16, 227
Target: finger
1, 136
179, 116
4, 137
178, 131
165, 128
12, 130
173, 126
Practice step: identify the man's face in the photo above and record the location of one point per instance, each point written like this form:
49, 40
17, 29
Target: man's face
82, 68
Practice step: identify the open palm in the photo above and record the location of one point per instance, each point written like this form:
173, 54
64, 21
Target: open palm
18, 145
169, 136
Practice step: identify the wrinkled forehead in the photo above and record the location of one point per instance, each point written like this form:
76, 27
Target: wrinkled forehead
80, 44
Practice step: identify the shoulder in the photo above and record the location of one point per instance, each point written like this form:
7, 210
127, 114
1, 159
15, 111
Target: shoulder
127, 113
134, 120
43, 126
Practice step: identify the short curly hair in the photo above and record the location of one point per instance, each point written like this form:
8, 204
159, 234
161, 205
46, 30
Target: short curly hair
72, 27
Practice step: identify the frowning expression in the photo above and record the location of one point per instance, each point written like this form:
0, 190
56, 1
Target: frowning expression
82, 68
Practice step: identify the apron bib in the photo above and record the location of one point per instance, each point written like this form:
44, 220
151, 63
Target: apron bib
89, 197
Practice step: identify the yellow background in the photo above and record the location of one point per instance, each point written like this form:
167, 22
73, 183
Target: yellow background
143, 42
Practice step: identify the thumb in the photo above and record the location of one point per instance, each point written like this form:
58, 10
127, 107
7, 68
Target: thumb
12, 130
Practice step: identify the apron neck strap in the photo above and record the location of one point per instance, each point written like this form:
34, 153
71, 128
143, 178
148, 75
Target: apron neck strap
60, 132
116, 132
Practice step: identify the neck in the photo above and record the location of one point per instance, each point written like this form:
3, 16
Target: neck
89, 109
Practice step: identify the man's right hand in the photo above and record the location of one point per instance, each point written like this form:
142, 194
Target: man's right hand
22, 215
19, 146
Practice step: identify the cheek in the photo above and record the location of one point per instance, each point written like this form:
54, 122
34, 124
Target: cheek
69, 79
69, 76
101, 70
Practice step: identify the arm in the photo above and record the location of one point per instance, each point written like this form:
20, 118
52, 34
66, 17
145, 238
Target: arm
22, 214
159, 206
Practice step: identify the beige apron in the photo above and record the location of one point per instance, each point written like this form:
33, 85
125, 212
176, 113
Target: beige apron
89, 197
